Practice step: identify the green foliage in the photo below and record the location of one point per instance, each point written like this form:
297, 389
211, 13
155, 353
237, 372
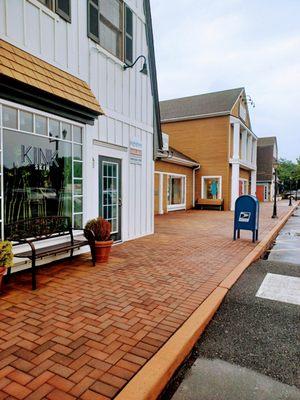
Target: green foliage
6, 254
100, 227
288, 169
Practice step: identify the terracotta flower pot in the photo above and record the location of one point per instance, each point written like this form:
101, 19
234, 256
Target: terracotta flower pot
102, 250
2, 273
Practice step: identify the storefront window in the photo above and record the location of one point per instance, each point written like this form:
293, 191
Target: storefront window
42, 173
176, 191
211, 188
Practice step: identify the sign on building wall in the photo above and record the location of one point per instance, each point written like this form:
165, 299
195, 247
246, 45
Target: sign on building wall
135, 151
243, 112
165, 139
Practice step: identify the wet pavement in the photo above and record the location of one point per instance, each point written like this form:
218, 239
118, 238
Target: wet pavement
287, 246
250, 350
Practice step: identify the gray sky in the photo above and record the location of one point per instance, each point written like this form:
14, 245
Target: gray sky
210, 45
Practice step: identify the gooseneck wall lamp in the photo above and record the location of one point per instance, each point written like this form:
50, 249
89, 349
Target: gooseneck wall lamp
144, 69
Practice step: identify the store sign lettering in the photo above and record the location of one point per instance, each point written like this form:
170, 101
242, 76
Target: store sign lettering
41, 158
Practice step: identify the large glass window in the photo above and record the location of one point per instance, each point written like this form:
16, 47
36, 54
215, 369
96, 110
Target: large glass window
176, 191
42, 172
211, 188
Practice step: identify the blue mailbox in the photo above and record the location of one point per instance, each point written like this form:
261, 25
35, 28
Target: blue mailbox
246, 216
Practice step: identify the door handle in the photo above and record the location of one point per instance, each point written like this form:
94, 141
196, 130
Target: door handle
120, 202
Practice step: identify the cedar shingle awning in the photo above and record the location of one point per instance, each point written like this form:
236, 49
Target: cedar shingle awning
26, 69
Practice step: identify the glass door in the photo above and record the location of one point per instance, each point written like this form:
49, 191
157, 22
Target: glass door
110, 200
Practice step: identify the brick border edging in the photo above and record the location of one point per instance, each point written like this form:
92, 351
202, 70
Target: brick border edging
149, 382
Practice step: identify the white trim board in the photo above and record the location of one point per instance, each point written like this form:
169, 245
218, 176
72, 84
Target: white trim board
211, 177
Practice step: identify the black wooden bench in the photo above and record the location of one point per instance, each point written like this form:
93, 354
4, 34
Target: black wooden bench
32, 230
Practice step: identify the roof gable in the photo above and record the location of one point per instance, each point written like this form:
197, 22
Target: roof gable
200, 105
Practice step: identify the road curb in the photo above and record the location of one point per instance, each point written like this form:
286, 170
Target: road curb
257, 252
149, 382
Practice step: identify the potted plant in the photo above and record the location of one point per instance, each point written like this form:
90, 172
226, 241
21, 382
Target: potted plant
97, 231
6, 258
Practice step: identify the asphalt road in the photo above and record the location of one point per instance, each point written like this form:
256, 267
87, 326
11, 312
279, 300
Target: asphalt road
251, 348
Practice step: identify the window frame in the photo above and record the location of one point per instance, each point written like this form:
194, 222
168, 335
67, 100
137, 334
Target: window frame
181, 206
219, 177
123, 31
61, 13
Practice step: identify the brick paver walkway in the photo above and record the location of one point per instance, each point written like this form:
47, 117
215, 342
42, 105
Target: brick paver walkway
86, 331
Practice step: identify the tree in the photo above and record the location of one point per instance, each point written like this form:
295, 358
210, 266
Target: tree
288, 170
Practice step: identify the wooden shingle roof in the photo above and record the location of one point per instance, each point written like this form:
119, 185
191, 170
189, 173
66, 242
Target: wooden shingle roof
26, 68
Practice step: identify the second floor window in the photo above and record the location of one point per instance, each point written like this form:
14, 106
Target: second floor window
110, 24
61, 7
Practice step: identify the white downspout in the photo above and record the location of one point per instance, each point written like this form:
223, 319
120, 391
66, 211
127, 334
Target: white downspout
194, 184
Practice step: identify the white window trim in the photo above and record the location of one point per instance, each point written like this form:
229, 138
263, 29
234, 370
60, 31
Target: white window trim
182, 206
245, 181
211, 177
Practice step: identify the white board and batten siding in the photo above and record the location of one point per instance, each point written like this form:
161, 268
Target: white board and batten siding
125, 97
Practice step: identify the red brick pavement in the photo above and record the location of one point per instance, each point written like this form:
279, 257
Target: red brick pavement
86, 331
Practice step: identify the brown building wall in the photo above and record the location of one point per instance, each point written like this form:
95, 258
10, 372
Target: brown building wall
163, 166
206, 141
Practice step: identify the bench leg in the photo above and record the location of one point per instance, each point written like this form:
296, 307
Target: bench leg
33, 272
93, 253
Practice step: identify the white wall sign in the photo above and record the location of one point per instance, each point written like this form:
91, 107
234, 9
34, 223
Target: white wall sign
165, 139
135, 151
243, 112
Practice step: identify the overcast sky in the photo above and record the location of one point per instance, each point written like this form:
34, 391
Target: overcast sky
210, 45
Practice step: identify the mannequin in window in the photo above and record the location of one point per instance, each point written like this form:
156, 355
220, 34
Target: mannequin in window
214, 189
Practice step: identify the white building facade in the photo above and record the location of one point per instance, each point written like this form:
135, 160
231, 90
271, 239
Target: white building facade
97, 160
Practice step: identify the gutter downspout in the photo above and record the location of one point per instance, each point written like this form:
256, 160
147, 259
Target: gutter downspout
194, 184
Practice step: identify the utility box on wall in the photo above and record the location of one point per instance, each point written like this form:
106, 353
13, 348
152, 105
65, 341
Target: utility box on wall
246, 216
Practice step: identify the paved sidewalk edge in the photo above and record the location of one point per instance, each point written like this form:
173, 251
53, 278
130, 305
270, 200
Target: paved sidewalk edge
257, 252
149, 382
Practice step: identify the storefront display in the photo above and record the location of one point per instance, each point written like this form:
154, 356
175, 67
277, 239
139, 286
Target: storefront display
41, 167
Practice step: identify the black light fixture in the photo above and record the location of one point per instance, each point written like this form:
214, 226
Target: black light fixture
144, 69
275, 166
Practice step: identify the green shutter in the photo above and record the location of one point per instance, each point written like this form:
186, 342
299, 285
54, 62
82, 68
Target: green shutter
63, 9
93, 13
128, 37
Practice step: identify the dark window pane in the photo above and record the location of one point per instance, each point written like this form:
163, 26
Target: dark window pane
63, 8
77, 187
77, 204
47, 3
129, 21
93, 22
77, 169
37, 176
78, 221
128, 50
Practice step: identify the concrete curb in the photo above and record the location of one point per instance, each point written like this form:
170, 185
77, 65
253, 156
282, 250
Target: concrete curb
149, 382
256, 253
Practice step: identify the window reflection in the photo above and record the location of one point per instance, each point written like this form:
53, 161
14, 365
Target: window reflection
37, 176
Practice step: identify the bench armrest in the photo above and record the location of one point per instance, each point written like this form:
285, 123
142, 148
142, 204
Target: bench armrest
89, 234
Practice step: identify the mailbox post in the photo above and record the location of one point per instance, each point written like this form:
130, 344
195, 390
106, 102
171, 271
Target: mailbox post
246, 216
